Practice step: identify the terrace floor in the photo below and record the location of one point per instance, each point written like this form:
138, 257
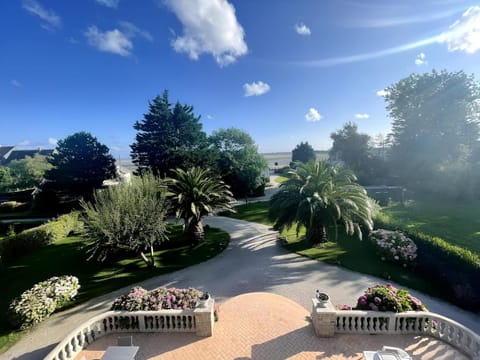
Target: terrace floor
269, 326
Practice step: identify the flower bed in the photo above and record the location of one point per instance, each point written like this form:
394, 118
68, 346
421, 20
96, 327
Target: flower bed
394, 246
158, 299
39, 302
388, 298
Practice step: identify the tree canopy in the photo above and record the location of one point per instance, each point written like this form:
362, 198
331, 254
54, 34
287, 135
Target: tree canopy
168, 137
238, 160
303, 152
355, 151
81, 161
435, 130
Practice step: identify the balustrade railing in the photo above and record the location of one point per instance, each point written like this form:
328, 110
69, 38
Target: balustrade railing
410, 322
199, 321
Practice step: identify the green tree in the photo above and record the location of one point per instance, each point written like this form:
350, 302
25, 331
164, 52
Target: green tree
29, 172
168, 137
6, 179
317, 195
303, 152
196, 193
351, 147
127, 216
435, 129
80, 161
238, 160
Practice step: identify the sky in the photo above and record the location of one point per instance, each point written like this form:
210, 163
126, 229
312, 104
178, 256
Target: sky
283, 71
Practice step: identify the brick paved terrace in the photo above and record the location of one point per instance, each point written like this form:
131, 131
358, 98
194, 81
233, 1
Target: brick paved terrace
269, 326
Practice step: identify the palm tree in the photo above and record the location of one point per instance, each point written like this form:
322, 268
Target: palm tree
196, 193
317, 195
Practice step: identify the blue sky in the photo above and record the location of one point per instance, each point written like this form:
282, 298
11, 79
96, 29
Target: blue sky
284, 71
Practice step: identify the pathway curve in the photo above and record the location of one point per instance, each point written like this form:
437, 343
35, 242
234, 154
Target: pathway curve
253, 262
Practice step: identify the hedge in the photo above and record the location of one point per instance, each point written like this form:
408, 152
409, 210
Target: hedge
452, 268
29, 240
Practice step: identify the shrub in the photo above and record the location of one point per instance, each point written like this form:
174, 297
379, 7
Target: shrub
441, 263
34, 238
394, 246
162, 298
39, 302
388, 298
129, 216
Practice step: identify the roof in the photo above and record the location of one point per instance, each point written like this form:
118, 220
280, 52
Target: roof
4, 150
22, 154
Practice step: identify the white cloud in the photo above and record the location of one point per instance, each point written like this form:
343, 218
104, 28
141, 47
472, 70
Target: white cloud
52, 141
130, 30
383, 93
302, 29
113, 41
464, 34
209, 26
209, 117
421, 59
362, 116
51, 19
109, 3
313, 115
24, 143
256, 88
15, 83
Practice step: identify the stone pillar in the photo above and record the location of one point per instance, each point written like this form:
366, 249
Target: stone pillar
204, 319
324, 317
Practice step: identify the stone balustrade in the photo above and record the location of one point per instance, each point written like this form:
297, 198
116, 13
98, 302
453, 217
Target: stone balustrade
328, 321
199, 320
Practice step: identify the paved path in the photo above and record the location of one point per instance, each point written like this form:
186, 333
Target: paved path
253, 262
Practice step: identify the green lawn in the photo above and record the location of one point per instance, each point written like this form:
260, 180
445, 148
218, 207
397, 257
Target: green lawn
281, 179
67, 258
347, 251
457, 223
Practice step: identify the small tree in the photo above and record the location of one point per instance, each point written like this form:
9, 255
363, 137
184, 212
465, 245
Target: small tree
29, 172
129, 216
318, 195
303, 152
196, 193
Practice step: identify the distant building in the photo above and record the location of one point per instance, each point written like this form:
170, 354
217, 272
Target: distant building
9, 153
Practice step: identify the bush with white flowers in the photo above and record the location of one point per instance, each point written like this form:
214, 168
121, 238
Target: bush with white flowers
394, 246
39, 302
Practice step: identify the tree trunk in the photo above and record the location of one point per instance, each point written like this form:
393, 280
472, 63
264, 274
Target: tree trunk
151, 262
317, 234
196, 233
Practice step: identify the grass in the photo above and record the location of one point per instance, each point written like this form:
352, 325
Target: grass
347, 251
281, 179
67, 257
457, 223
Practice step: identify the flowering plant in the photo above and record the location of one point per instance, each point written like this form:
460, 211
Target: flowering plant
39, 302
158, 299
343, 307
394, 246
389, 298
